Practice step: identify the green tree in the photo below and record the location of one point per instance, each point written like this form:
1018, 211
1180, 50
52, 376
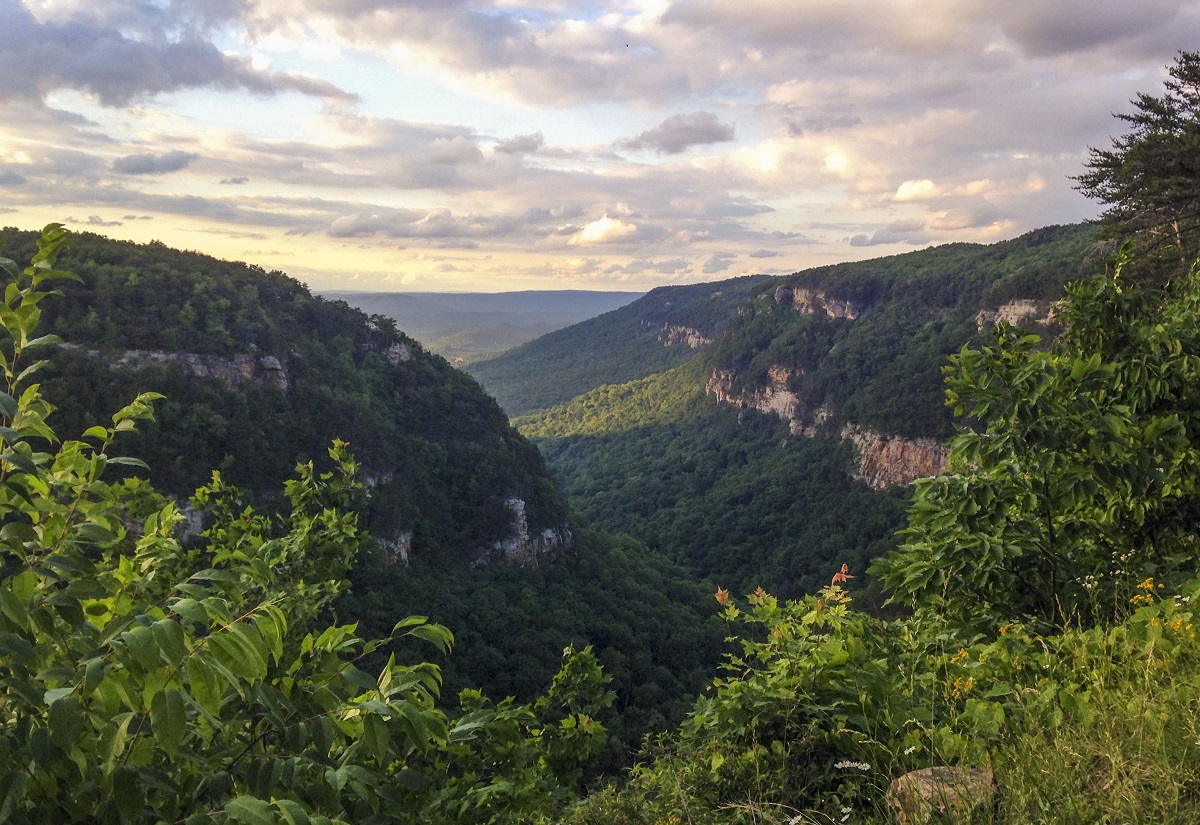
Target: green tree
1149, 180
1085, 476
142, 680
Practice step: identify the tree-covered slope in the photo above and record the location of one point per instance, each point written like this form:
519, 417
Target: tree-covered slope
613, 348
258, 375
737, 464
865, 342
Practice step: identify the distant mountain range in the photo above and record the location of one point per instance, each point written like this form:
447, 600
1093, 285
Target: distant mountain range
465, 327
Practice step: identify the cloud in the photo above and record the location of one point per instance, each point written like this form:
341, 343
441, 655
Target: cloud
678, 133
151, 164
10, 178
765, 253
719, 262
913, 232
235, 181
604, 231
86, 54
671, 266
521, 144
1069, 26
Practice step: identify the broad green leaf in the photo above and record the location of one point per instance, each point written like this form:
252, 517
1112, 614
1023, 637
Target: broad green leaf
250, 810
168, 719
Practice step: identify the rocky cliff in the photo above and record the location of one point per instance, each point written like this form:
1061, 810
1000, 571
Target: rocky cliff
885, 460
776, 398
811, 301
520, 547
1016, 313
235, 371
682, 335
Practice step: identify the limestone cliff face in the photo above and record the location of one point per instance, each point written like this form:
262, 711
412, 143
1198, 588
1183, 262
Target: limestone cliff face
776, 398
682, 335
397, 548
811, 301
520, 547
1016, 313
236, 371
885, 460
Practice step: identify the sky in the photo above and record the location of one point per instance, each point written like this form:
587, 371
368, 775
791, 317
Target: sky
495, 145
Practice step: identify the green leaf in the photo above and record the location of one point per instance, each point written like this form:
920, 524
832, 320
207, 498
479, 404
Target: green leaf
168, 719
376, 736
250, 810
143, 646
292, 813
66, 721
128, 794
206, 686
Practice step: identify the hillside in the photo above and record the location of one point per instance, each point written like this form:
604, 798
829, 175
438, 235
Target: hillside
783, 447
260, 375
650, 335
470, 326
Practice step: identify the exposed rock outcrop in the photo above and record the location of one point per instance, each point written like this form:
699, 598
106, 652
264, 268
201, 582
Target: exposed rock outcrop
1016, 313
236, 371
811, 301
397, 549
885, 460
398, 354
776, 398
520, 547
682, 335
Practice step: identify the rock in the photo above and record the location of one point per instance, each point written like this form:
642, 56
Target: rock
682, 335
1015, 313
915, 797
396, 550
236, 371
884, 460
521, 548
809, 301
398, 354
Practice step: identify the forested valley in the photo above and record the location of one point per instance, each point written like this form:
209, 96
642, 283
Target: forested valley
911, 539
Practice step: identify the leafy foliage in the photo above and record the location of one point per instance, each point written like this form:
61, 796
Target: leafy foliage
145, 680
1150, 179
1086, 477
819, 707
882, 369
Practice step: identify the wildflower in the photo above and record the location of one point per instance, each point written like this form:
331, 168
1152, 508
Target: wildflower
960, 657
846, 764
841, 576
911, 749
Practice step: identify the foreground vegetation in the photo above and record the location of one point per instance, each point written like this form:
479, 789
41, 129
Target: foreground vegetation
1051, 577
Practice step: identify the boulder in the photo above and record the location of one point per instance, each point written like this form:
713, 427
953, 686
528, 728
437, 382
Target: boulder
939, 794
